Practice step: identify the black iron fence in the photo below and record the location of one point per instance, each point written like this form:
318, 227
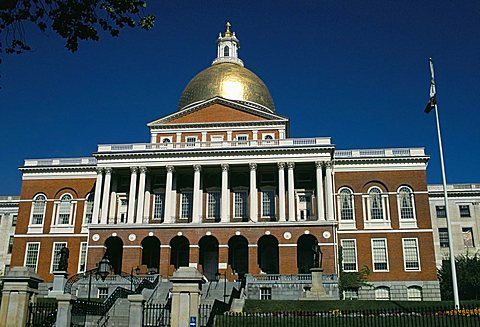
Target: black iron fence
156, 315
42, 314
203, 314
420, 317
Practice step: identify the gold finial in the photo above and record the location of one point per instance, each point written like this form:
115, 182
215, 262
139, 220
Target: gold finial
227, 32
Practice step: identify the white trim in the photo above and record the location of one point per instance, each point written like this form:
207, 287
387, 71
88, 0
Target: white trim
370, 223
132, 246
80, 257
418, 254
52, 258
50, 235
37, 228
346, 223
373, 255
293, 245
92, 194
274, 207
406, 223
429, 230
26, 252
356, 256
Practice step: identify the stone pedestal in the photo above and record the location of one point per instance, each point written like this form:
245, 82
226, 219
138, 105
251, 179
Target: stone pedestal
185, 297
19, 289
59, 281
64, 312
317, 292
135, 314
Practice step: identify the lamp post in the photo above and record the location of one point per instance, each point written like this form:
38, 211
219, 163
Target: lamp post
101, 272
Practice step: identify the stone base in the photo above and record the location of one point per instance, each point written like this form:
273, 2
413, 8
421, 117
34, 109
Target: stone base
59, 281
317, 292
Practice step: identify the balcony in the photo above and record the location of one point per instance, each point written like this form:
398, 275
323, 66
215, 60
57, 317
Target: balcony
60, 162
297, 142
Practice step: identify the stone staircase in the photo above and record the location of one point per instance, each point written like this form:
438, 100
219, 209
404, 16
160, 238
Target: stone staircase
215, 291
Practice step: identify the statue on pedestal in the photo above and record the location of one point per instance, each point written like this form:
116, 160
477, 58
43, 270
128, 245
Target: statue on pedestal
64, 253
317, 255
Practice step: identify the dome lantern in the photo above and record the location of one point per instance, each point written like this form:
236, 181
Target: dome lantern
227, 47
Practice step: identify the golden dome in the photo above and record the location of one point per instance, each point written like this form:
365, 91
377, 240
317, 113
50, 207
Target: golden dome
230, 81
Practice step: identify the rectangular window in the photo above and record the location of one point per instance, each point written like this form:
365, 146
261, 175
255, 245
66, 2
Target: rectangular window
240, 204
464, 210
410, 254
379, 255
443, 236
14, 220
83, 257
350, 294
31, 255
265, 293
57, 246
158, 206
349, 255
242, 139
468, 241
10, 244
103, 292
268, 203
441, 211
187, 205
213, 209
64, 213
191, 141
89, 209
38, 211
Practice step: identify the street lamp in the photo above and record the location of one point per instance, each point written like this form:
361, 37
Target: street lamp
101, 272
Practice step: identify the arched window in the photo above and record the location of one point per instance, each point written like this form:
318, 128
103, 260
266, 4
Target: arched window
414, 293
64, 210
226, 51
405, 202
166, 140
382, 293
38, 209
346, 204
376, 204
89, 208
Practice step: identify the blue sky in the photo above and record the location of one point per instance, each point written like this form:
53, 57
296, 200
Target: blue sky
353, 70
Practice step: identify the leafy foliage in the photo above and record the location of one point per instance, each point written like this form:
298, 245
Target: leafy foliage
351, 280
73, 20
468, 277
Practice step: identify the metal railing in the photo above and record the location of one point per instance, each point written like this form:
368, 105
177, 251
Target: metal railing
421, 317
396, 152
42, 314
155, 314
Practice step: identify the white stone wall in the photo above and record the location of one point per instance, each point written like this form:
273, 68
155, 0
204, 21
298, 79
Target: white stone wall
8, 211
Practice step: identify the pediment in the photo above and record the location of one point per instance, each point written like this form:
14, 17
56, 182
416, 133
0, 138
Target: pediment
217, 110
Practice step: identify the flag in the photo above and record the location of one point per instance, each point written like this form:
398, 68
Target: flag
433, 94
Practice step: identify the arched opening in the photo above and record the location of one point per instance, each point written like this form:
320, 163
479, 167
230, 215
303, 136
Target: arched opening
179, 252
209, 256
238, 255
114, 253
151, 254
226, 51
268, 254
306, 253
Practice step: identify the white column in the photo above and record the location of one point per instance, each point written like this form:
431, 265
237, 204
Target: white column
113, 201
291, 192
131, 195
281, 191
253, 192
320, 205
169, 218
225, 208
148, 197
97, 196
106, 195
141, 195
329, 190
197, 207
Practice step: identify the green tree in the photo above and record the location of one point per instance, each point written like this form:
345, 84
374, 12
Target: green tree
351, 280
468, 277
72, 20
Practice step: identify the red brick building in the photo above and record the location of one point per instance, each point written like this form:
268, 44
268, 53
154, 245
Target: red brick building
223, 187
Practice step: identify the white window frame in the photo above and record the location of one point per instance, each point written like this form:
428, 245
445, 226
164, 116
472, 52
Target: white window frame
244, 204
370, 223
356, 257
37, 228
381, 289
346, 223
192, 142
101, 295
416, 288
386, 255
265, 293
54, 256
165, 140
58, 204
460, 210
243, 142
406, 222
26, 254
160, 193
182, 192
217, 204
85, 207
216, 138
83, 245
272, 206
417, 254
268, 141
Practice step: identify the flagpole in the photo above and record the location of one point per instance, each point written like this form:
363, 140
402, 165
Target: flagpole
445, 195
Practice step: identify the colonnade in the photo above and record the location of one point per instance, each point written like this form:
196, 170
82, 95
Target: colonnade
139, 199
